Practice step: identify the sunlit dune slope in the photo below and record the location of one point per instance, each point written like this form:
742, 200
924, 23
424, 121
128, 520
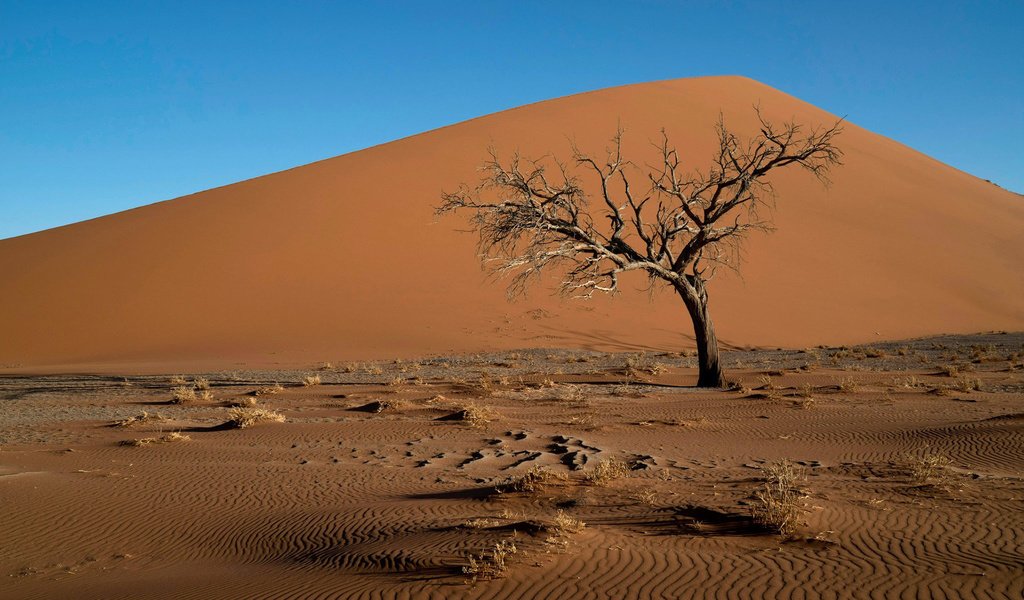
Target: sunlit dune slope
344, 258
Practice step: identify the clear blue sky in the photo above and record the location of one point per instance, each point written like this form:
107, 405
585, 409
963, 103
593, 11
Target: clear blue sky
109, 105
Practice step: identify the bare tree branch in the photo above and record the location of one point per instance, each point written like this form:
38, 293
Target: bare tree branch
685, 226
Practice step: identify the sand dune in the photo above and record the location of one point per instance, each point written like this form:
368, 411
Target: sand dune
344, 258
344, 501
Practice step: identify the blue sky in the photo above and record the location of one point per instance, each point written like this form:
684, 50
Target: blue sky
109, 105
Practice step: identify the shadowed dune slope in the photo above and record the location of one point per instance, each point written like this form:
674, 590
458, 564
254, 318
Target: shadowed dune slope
344, 259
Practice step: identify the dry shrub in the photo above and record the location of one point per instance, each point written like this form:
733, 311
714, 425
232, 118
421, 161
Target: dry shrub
276, 388
606, 471
628, 391
766, 382
178, 380
778, 501
848, 385
145, 417
373, 370
564, 524
164, 439
736, 386
648, 497
481, 523
949, 370
240, 418
183, 394
529, 482
326, 366
491, 563
379, 406
967, 384
911, 382
205, 396
310, 380
482, 387
638, 365
929, 468
245, 402
805, 402
201, 383
475, 415
570, 393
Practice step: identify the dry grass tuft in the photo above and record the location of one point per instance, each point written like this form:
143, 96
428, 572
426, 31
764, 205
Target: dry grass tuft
778, 501
201, 383
564, 524
930, 468
967, 384
139, 419
265, 390
474, 415
379, 406
638, 365
949, 370
529, 482
481, 523
736, 386
240, 418
245, 402
491, 563
164, 439
183, 394
606, 471
310, 380
205, 395
178, 380
848, 385
648, 497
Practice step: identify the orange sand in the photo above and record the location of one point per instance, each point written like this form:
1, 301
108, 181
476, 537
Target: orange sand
344, 259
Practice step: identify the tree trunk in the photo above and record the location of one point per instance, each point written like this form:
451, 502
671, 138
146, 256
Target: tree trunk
696, 300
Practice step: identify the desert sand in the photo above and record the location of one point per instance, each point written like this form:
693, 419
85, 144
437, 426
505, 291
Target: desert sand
609, 476
361, 414
344, 259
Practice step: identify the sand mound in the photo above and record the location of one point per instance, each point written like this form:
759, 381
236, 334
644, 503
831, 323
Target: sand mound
344, 259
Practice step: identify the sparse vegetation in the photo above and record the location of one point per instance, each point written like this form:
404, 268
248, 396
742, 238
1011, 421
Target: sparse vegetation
564, 524
929, 468
639, 365
164, 439
310, 380
276, 388
606, 471
848, 385
240, 418
183, 395
474, 415
967, 384
777, 504
201, 383
139, 419
529, 482
491, 563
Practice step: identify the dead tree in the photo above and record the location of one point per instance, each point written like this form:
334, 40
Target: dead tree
678, 229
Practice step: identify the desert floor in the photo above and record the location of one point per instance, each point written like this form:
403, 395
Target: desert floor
597, 475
